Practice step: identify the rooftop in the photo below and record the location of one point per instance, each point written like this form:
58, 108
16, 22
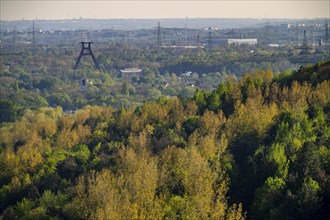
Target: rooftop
131, 70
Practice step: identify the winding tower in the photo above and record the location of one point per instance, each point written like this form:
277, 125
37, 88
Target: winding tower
86, 50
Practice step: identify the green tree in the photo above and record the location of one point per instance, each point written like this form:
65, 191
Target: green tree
9, 111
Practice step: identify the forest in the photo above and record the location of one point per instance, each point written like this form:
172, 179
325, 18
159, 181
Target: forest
253, 148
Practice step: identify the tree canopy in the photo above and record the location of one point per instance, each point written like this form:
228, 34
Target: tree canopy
254, 148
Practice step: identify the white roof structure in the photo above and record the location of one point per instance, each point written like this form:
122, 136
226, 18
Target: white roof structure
251, 41
131, 70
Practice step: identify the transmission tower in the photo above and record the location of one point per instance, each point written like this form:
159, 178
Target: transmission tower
304, 45
297, 33
210, 38
312, 30
326, 37
159, 37
185, 39
198, 39
33, 39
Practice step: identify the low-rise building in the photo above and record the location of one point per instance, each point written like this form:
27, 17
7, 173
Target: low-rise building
130, 72
236, 42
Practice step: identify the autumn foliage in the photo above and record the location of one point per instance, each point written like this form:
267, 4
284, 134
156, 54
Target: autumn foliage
256, 148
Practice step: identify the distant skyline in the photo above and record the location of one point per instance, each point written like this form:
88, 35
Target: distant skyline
108, 9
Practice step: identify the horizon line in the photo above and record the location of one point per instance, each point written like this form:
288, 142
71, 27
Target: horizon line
162, 18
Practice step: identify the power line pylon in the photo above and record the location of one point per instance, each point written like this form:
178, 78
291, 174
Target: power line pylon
326, 37
159, 37
33, 39
210, 38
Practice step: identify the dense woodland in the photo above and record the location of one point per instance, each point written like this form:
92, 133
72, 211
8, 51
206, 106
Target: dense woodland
255, 148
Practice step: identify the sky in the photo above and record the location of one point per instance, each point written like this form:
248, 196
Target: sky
107, 9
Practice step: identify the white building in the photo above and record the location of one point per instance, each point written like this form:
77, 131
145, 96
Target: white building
236, 42
130, 72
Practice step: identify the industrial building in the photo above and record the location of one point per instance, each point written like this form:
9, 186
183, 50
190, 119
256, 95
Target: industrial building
247, 41
236, 42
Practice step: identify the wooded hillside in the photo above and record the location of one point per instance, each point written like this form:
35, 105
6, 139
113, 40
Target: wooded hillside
257, 148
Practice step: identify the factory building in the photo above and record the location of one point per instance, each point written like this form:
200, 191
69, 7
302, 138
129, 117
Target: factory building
247, 41
236, 42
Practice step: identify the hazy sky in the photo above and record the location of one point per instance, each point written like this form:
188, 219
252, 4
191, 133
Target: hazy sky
60, 9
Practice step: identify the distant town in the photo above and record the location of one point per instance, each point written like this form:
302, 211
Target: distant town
126, 61
174, 32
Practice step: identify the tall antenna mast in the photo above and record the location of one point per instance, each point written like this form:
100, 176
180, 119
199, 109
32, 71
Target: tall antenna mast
126, 46
14, 39
33, 39
159, 37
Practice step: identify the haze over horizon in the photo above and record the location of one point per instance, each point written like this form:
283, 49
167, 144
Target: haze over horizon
58, 10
